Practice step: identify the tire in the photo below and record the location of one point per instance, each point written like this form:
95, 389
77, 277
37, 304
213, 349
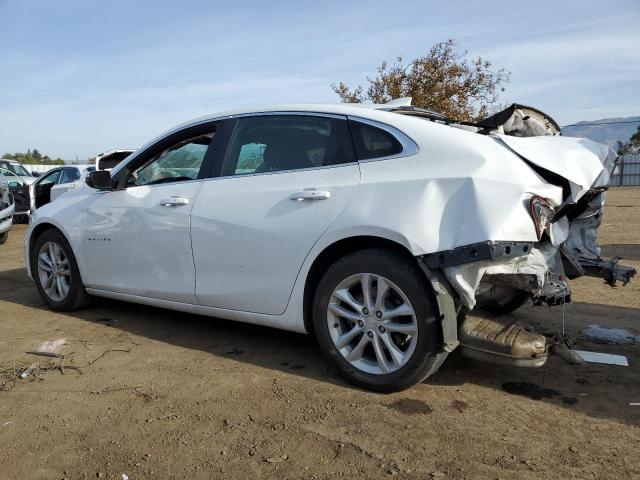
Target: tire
67, 299
3, 237
420, 353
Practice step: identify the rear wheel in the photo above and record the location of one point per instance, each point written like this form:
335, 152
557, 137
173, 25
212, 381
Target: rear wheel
56, 272
376, 322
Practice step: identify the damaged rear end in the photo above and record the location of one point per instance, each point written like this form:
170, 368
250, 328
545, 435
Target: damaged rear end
497, 277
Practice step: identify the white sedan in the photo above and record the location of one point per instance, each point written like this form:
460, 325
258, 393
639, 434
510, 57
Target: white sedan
57, 181
372, 227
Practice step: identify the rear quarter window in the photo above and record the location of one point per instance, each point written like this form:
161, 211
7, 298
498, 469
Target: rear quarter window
373, 142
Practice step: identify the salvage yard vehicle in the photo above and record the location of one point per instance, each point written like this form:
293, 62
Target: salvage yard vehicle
7, 207
374, 227
19, 187
31, 193
57, 181
16, 167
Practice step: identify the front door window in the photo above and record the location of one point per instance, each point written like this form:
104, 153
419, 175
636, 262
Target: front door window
177, 163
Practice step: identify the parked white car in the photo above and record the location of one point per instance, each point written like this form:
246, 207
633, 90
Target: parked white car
31, 193
7, 208
19, 188
58, 181
373, 227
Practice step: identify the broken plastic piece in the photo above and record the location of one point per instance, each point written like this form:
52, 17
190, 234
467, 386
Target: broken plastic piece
605, 358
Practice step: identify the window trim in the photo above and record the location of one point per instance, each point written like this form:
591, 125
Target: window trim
409, 146
167, 141
234, 120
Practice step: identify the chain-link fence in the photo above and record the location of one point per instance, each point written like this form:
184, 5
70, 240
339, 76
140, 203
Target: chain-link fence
627, 171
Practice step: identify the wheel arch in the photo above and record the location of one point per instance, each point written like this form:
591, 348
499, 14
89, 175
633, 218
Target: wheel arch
37, 231
334, 252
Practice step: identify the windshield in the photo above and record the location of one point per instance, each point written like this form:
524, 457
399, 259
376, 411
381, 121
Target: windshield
10, 176
18, 169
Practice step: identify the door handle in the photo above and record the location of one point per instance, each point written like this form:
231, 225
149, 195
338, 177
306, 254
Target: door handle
174, 202
311, 194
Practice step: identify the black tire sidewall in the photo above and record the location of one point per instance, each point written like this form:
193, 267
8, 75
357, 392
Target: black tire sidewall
411, 280
77, 296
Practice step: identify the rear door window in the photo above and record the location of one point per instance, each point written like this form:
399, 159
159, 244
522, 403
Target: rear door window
373, 142
69, 175
274, 143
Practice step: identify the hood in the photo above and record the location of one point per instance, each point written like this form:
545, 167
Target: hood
582, 162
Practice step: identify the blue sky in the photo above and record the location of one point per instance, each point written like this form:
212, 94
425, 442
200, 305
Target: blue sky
78, 77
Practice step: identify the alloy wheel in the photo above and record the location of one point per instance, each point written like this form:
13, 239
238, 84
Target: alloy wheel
372, 323
54, 271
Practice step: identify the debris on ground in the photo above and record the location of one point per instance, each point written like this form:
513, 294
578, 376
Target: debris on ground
17, 370
605, 358
617, 336
52, 346
279, 459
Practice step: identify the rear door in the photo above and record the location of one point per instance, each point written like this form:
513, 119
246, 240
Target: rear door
284, 180
65, 182
41, 188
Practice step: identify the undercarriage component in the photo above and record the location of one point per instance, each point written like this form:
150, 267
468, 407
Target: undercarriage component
446, 307
527, 272
498, 298
566, 354
555, 291
581, 252
501, 341
610, 270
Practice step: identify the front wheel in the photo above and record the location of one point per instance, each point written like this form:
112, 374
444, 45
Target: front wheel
376, 322
3, 237
56, 272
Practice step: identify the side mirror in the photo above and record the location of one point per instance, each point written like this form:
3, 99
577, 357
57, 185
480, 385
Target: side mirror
100, 179
14, 184
35, 174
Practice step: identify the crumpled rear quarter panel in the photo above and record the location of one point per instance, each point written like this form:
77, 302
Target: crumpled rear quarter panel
460, 188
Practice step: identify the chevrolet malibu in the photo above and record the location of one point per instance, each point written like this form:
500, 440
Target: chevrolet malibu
377, 228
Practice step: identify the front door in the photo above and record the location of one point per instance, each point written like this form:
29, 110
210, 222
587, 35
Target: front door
19, 189
137, 238
285, 179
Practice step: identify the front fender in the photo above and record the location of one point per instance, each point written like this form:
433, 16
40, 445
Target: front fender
65, 214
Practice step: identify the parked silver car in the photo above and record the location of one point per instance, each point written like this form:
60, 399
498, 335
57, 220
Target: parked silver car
7, 207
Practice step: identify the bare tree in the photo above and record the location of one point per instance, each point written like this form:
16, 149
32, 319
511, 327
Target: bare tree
444, 80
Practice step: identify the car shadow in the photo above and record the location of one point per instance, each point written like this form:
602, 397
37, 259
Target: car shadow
599, 391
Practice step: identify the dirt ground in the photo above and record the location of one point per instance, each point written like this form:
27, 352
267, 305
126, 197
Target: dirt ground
161, 394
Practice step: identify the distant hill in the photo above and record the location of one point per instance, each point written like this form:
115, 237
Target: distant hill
609, 132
